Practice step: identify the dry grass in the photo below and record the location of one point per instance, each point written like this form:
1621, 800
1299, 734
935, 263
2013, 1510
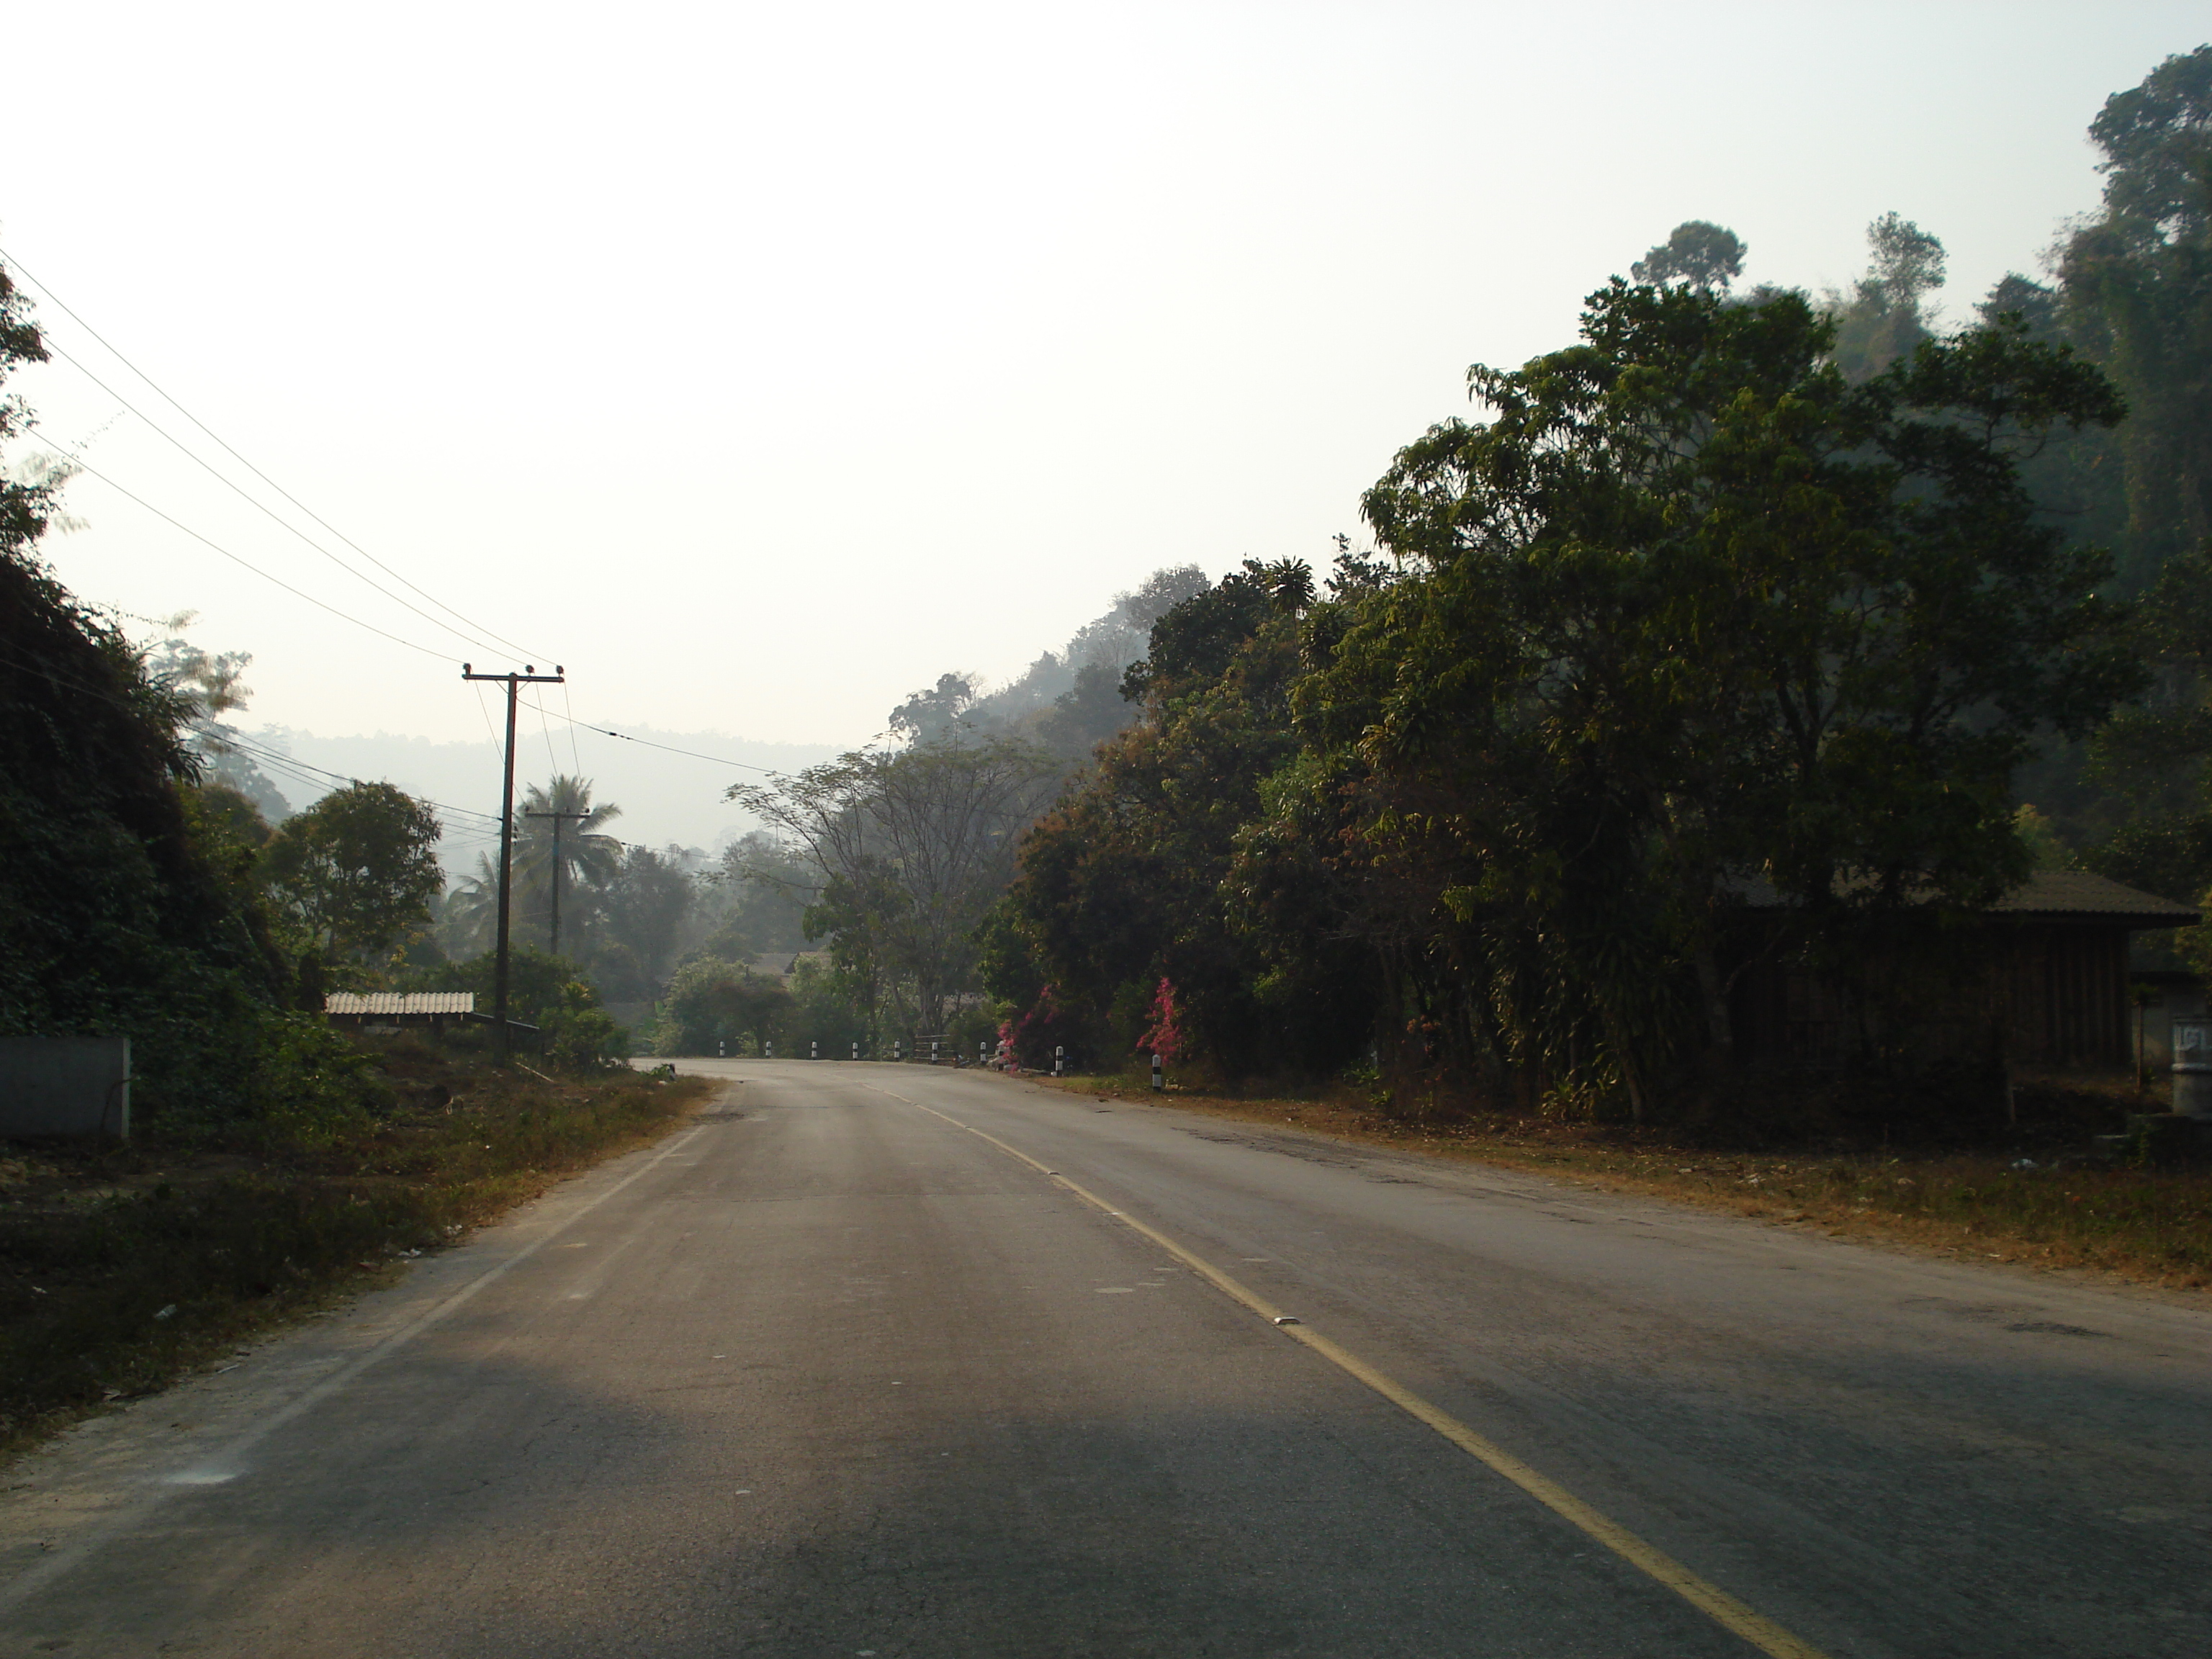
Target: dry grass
121, 1270
2062, 1211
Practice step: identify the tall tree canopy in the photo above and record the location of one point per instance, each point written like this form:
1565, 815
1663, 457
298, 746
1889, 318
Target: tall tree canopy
1886, 313
2139, 285
1698, 608
1691, 615
912, 848
1697, 254
356, 871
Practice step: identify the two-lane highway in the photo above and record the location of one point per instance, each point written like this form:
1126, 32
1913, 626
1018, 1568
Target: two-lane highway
895, 1360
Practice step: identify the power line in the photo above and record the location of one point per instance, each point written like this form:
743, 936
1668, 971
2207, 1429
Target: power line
490, 735
263, 507
259, 753
604, 732
574, 754
344, 615
61, 306
552, 760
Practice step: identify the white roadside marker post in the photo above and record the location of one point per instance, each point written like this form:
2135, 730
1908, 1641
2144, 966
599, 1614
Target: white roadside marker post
1158, 1086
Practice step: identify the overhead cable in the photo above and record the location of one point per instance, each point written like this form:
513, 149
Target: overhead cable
474, 640
63, 306
606, 732
259, 753
79, 462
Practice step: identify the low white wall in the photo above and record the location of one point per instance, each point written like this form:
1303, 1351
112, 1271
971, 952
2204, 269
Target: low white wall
64, 1086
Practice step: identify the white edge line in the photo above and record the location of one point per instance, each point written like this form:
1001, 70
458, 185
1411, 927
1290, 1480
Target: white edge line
37, 1578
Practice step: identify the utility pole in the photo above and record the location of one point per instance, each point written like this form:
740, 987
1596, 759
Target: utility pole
558, 818
529, 676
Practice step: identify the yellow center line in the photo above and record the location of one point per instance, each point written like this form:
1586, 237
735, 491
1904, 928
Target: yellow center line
1708, 1599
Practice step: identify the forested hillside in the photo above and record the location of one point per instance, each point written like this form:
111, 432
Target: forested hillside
1804, 597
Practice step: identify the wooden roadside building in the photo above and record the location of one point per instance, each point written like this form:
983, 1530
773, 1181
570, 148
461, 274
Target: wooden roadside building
2041, 980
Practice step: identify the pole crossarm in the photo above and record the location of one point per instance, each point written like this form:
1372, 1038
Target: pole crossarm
529, 676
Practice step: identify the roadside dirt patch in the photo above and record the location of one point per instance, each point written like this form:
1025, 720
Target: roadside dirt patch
2064, 1211
122, 1268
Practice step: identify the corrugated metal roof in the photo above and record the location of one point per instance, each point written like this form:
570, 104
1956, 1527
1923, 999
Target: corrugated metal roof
2071, 893
2076, 892
398, 1002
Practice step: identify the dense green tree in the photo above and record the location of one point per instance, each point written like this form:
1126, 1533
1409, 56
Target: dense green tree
910, 848
1696, 254
356, 871
2138, 287
122, 908
539, 984
712, 1003
1886, 313
1085, 714
756, 897
1693, 607
643, 907
1122, 884
934, 713
2156, 755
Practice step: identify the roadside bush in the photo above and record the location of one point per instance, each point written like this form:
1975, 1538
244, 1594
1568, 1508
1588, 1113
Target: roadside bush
977, 1023
710, 1003
585, 1040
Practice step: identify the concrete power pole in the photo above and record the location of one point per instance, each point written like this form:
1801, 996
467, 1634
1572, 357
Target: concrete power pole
559, 819
529, 676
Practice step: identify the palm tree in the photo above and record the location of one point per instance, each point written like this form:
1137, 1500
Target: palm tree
469, 921
558, 838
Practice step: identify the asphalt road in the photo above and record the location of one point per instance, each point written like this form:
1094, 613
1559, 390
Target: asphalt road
829, 1372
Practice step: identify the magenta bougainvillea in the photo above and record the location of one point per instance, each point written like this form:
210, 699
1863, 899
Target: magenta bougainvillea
1031, 1035
1164, 1036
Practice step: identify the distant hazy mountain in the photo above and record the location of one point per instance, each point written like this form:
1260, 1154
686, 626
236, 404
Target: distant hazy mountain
664, 798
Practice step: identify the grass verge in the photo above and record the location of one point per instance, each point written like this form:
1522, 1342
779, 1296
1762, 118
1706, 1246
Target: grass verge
2052, 1210
122, 1269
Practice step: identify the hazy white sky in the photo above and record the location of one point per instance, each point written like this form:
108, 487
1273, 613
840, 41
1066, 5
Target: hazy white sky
760, 362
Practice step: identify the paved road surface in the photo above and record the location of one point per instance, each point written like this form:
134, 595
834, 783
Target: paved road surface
829, 1373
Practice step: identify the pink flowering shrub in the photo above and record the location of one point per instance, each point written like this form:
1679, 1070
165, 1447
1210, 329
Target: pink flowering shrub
1032, 1035
1164, 1036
